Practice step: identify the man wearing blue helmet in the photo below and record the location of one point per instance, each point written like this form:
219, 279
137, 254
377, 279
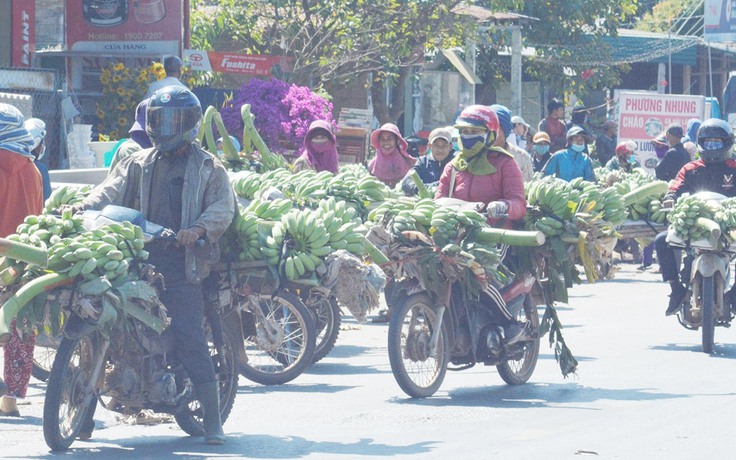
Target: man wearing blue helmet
178, 185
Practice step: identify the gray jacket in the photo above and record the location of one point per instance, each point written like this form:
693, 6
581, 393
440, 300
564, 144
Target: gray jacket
208, 199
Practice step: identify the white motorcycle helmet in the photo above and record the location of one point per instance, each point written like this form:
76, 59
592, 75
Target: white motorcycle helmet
37, 129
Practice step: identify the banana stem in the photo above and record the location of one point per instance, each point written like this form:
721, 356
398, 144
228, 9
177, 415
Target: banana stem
25, 294
23, 252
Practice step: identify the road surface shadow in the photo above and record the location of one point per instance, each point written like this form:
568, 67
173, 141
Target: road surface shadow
551, 356
347, 351
238, 445
539, 395
342, 369
256, 388
720, 350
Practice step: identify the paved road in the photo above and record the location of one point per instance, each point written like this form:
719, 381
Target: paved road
643, 391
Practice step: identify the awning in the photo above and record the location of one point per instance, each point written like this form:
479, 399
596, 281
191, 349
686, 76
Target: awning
462, 67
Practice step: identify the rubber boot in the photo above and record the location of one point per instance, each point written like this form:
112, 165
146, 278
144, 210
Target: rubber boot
209, 397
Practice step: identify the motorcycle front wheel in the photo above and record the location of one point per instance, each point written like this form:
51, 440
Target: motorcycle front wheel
518, 371
226, 372
416, 369
279, 348
69, 391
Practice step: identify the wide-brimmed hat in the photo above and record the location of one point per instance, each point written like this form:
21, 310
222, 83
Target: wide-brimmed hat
389, 128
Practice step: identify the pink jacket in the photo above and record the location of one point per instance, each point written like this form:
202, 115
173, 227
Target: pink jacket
505, 184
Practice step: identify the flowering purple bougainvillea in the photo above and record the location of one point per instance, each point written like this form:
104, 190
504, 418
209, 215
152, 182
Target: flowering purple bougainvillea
282, 112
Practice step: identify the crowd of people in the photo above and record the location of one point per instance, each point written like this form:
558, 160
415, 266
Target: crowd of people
485, 157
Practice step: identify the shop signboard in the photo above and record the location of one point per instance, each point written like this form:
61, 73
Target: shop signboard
719, 21
642, 116
243, 64
120, 27
23, 33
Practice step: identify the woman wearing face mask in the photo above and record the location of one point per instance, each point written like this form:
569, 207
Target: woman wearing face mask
392, 161
484, 173
320, 150
571, 162
624, 159
540, 150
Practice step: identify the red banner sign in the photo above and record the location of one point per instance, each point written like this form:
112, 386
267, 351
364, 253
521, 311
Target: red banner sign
247, 64
244, 64
125, 27
23, 33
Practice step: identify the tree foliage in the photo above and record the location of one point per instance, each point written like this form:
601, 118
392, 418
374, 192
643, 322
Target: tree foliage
669, 15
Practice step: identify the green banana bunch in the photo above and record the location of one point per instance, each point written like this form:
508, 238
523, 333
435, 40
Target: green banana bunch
66, 194
343, 226
552, 196
105, 251
656, 212
246, 184
725, 216
269, 209
391, 206
45, 230
305, 242
684, 215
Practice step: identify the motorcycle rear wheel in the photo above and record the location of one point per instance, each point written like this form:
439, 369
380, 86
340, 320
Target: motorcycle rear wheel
226, 371
517, 372
418, 374
66, 401
708, 286
43, 358
328, 318
283, 361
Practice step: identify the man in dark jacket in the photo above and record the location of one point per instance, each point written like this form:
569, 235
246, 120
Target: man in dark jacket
675, 158
178, 185
430, 166
715, 171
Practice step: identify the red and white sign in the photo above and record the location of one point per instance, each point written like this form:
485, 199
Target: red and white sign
23, 33
119, 27
244, 64
642, 116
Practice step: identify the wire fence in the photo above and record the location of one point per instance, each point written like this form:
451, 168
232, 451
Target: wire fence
38, 93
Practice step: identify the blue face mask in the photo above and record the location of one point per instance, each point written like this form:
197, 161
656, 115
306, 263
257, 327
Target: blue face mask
577, 147
631, 160
541, 149
472, 143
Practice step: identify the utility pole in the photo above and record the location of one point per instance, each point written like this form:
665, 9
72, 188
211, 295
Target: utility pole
516, 61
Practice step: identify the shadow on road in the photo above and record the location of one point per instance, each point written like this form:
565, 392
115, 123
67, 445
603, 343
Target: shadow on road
538, 395
720, 350
292, 388
347, 351
239, 445
343, 369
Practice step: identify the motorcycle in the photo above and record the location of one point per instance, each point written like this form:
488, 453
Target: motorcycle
426, 334
274, 328
129, 365
707, 275
448, 325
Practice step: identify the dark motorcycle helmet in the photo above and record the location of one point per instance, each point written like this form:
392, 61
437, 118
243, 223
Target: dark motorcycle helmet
715, 141
172, 118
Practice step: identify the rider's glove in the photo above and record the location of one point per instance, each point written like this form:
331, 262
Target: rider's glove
497, 209
668, 203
